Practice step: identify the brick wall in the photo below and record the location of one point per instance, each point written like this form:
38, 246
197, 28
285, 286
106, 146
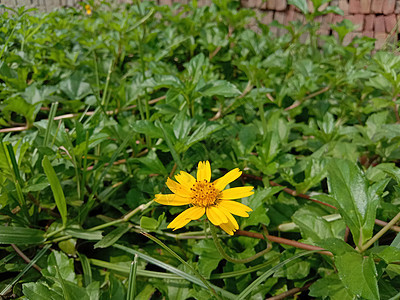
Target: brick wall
374, 18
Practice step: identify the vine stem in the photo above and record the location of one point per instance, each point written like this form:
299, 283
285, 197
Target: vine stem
231, 259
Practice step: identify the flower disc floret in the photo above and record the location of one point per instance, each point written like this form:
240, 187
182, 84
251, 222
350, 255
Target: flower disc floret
204, 193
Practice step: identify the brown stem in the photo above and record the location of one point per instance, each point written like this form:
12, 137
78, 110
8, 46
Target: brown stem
284, 241
291, 292
173, 170
24, 257
13, 129
312, 95
70, 116
304, 196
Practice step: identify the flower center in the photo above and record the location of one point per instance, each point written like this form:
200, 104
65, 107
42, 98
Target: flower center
204, 193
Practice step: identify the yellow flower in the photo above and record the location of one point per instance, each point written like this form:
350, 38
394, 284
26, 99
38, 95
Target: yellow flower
207, 197
88, 9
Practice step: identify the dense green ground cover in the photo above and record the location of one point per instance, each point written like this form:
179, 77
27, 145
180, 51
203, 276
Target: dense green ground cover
97, 110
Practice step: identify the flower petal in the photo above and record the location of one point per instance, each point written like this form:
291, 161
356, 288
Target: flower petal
228, 228
178, 189
216, 216
172, 199
235, 208
192, 213
222, 182
185, 179
231, 219
236, 193
204, 171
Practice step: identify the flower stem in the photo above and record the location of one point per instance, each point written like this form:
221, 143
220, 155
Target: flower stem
231, 259
380, 233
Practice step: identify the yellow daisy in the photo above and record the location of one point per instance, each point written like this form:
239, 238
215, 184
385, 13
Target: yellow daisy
88, 9
207, 197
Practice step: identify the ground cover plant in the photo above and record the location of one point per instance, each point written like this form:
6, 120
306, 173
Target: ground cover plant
111, 116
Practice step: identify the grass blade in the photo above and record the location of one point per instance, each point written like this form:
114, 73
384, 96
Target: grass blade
20, 235
87, 271
56, 188
52, 114
130, 295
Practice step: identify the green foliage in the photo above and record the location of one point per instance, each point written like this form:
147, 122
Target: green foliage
98, 110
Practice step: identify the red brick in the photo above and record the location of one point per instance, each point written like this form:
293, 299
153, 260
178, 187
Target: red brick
368, 33
271, 4
388, 7
253, 3
299, 16
245, 3
365, 6
344, 5
358, 20
379, 24
390, 22
322, 31
369, 22
327, 21
380, 39
280, 5
290, 15
337, 19
268, 17
280, 17
165, 2
354, 7
397, 8
377, 6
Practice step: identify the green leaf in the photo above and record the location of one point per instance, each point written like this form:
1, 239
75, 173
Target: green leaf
390, 254
219, 88
396, 241
56, 188
84, 234
112, 237
148, 223
336, 246
74, 87
358, 275
201, 133
312, 224
209, 257
37, 290
60, 266
300, 4
330, 286
148, 128
356, 203
20, 235
195, 68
